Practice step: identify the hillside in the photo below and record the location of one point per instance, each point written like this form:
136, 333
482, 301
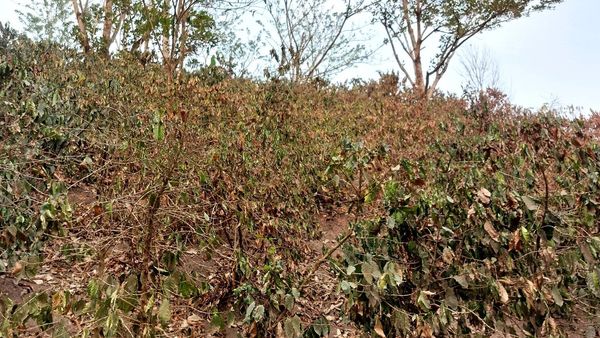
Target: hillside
132, 205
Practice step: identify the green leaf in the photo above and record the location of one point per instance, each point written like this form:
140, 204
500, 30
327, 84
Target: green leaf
217, 321
321, 327
169, 284
150, 304
293, 327
249, 310
158, 126
347, 286
60, 331
593, 283
259, 313
288, 302
423, 301
187, 289
164, 312
558, 299
525, 234
111, 324
93, 289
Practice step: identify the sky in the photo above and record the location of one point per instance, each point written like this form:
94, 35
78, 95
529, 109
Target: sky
551, 57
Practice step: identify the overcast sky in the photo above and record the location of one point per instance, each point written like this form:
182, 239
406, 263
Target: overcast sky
550, 57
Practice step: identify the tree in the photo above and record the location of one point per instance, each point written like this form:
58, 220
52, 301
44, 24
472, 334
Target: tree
105, 18
411, 24
478, 69
312, 38
47, 20
173, 28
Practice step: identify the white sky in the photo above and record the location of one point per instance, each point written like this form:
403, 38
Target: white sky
550, 57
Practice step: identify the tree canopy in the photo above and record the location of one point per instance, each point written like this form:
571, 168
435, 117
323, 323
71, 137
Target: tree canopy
410, 25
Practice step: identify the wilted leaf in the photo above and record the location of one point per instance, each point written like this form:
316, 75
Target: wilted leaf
529, 203
249, 310
470, 212
489, 228
194, 320
462, 281
394, 272
587, 253
59, 302
17, 268
448, 255
484, 195
515, 243
347, 286
370, 271
379, 328
590, 332
502, 293
451, 300
279, 333
293, 327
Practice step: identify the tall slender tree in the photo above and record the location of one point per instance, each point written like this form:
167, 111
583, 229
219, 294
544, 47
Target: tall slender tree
174, 29
314, 38
411, 25
99, 23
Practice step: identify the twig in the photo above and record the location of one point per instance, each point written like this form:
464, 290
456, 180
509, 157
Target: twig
544, 212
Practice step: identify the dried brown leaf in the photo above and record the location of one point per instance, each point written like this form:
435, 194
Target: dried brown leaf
484, 196
502, 293
379, 328
489, 228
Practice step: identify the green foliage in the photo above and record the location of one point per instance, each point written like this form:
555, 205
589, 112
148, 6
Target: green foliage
181, 28
37, 131
349, 169
48, 20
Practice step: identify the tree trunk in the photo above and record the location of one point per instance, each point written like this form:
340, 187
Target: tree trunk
166, 46
419, 83
107, 29
83, 37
